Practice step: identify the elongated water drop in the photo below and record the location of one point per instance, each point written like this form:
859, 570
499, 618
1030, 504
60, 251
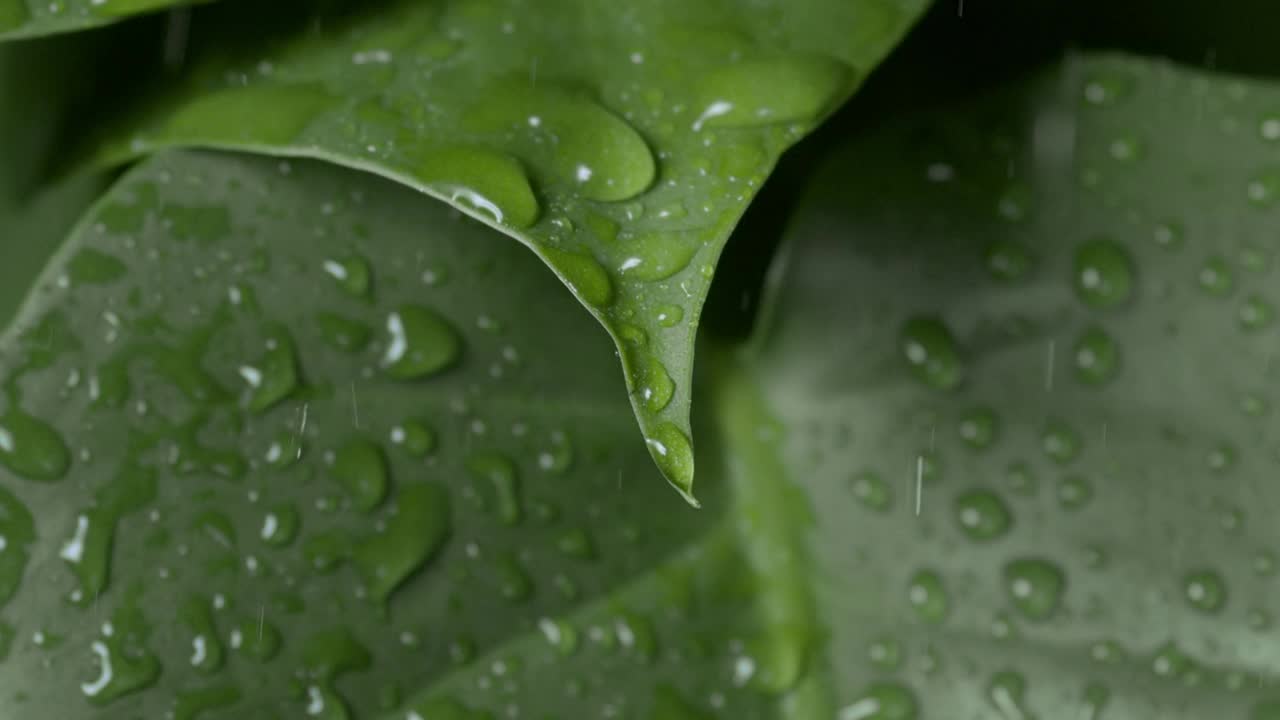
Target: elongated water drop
413, 536
275, 375
673, 453
17, 531
584, 276
484, 181
578, 142
361, 468
761, 92
343, 333
498, 470
31, 448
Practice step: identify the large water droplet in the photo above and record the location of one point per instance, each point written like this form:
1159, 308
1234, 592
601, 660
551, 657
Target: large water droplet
17, 531
343, 333
673, 453
580, 143
413, 535
1103, 273
488, 182
275, 375
498, 470
928, 596
584, 276
932, 353
31, 448
361, 468
1035, 587
760, 92
420, 343
982, 514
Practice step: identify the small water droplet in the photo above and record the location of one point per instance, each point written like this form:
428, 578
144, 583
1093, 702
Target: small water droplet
1096, 356
1205, 590
1103, 273
982, 514
1035, 587
420, 343
928, 596
931, 353
871, 490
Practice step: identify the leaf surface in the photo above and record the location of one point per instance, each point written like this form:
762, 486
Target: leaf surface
23, 19
280, 439
621, 145
1020, 364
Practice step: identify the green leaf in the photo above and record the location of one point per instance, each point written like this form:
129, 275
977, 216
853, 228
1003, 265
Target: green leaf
1020, 363
214, 501
621, 146
34, 215
20, 19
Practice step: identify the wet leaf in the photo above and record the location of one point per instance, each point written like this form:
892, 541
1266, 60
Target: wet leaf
22, 19
621, 147
1106, 550
484, 536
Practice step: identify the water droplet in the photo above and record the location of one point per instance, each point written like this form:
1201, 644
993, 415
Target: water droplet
1060, 442
1007, 260
415, 436
669, 315
124, 665
257, 638
885, 653
1035, 587
361, 469
1205, 590
584, 276
498, 470
871, 490
928, 597
760, 92
1007, 692
560, 634
1097, 357
592, 150
658, 255
931, 353
488, 182
1168, 235
31, 448
207, 653
280, 525
413, 536
882, 701
17, 531
1263, 189
88, 550
343, 333
275, 375
654, 385
1074, 492
1215, 277
1103, 273
982, 514
1256, 313
673, 454
514, 583
979, 428
352, 273
421, 343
